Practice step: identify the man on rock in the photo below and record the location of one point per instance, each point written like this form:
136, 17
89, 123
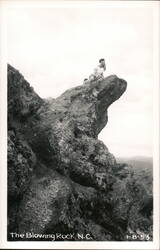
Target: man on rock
98, 71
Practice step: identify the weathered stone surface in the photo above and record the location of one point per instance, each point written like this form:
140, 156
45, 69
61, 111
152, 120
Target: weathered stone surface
22, 100
21, 161
69, 128
61, 177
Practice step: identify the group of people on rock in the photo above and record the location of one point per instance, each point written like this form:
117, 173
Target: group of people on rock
97, 74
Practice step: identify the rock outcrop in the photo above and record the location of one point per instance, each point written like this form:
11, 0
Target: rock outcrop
61, 178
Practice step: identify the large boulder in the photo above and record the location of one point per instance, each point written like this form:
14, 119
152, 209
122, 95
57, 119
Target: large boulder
61, 178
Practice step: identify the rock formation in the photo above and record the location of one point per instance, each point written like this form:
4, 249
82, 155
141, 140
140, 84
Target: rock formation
61, 178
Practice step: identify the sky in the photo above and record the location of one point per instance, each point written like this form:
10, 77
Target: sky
55, 48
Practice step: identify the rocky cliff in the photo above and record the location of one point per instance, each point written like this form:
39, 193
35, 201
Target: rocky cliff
61, 178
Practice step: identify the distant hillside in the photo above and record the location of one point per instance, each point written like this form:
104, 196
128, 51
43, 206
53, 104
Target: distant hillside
136, 158
143, 168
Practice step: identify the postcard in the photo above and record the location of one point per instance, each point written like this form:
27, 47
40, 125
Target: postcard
79, 114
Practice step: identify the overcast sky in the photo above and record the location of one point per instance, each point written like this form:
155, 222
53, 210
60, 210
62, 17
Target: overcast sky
56, 48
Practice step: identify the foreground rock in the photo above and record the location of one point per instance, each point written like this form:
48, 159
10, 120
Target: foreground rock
61, 178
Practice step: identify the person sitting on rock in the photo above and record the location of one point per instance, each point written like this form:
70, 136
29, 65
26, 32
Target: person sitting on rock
98, 71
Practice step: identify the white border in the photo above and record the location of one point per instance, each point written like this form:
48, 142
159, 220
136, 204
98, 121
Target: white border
3, 125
